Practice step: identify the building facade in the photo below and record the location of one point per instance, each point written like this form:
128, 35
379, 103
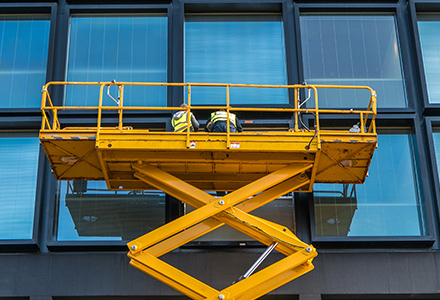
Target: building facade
67, 240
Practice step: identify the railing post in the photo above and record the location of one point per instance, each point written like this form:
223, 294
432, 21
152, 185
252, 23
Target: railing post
55, 118
318, 136
374, 96
121, 101
362, 122
188, 117
296, 105
228, 138
43, 108
98, 128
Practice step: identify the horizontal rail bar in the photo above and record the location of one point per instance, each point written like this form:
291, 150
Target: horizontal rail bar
367, 117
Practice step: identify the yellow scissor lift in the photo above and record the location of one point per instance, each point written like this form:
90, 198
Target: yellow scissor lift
255, 167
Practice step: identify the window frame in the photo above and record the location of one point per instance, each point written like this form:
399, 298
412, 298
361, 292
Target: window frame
83, 118
422, 189
32, 244
57, 94
430, 124
31, 9
416, 8
284, 8
364, 8
245, 15
28, 120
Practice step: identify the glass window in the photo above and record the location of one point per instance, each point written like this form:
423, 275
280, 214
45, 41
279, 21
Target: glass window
436, 138
429, 33
24, 42
18, 181
246, 49
122, 48
279, 211
353, 50
388, 204
88, 211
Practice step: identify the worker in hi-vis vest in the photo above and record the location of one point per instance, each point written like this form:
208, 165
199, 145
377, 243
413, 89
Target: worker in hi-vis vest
180, 119
217, 122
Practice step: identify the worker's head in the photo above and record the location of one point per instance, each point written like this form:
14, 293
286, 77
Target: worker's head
184, 105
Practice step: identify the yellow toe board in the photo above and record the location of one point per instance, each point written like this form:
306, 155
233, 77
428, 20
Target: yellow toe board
207, 162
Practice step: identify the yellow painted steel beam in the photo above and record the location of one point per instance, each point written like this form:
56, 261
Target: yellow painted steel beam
210, 224
197, 198
263, 231
173, 277
145, 250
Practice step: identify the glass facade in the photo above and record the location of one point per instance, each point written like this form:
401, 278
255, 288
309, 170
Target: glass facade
353, 50
67, 240
429, 32
128, 48
244, 49
18, 183
24, 43
388, 204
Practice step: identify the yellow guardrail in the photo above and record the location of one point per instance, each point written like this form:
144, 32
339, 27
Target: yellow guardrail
366, 117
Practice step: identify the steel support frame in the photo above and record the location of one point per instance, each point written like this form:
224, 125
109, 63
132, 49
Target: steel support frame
211, 212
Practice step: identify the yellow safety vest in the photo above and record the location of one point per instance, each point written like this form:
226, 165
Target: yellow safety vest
180, 124
223, 116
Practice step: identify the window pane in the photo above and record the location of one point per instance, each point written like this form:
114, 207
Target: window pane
88, 211
236, 49
436, 138
24, 43
353, 50
388, 204
18, 179
429, 32
279, 211
124, 48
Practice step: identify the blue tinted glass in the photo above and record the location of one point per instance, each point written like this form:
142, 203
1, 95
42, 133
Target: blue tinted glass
88, 211
124, 48
235, 49
24, 43
18, 178
436, 137
429, 33
388, 204
353, 50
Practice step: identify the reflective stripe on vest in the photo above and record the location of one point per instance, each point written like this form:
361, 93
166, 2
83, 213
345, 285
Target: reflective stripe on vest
180, 124
223, 116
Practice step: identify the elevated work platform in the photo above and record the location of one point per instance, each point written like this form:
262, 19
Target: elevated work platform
209, 161
254, 167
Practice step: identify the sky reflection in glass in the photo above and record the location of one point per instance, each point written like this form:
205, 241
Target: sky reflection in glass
388, 204
429, 33
18, 179
124, 48
353, 50
236, 49
24, 43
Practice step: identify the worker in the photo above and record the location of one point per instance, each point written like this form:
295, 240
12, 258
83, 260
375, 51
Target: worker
180, 119
356, 128
217, 122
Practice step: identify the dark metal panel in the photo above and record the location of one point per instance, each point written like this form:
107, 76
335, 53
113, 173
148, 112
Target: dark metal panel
109, 274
